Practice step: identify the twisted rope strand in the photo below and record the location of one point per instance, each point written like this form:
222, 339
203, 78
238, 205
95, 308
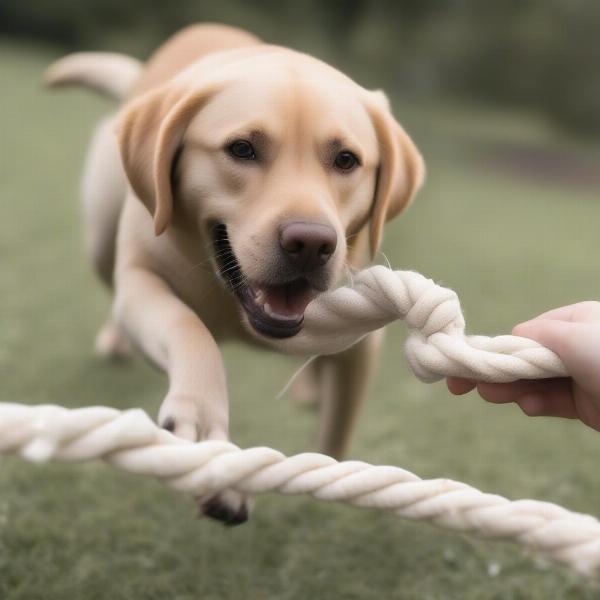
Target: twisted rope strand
436, 347
130, 441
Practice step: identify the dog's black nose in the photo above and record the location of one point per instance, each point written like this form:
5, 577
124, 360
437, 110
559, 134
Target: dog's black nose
307, 245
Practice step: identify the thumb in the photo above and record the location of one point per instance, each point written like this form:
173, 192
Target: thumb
551, 333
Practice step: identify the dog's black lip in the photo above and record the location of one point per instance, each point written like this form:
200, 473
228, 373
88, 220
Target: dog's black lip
231, 272
265, 324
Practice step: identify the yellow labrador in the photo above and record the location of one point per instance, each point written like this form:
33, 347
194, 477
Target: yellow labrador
256, 176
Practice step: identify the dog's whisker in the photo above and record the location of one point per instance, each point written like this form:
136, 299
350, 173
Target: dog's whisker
348, 270
295, 375
389, 265
212, 256
220, 253
198, 267
209, 290
229, 261
230, 267
239, 282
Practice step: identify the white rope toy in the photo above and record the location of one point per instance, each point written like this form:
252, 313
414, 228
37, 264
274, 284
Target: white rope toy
436, 347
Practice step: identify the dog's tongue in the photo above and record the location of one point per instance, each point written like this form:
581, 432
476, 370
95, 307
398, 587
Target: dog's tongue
286, 301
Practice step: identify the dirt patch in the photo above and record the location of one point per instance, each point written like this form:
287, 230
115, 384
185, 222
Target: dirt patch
549, 165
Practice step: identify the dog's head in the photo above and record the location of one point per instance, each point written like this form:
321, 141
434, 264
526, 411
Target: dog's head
278, 160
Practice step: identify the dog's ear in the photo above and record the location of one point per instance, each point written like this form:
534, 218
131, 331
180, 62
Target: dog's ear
400, 172
150, 132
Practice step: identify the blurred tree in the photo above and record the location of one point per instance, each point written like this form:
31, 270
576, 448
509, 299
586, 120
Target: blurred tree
539, 53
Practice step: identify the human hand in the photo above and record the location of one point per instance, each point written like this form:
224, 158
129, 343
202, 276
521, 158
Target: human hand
573, 332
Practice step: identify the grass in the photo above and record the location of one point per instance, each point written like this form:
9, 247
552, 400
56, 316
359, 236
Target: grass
511, 246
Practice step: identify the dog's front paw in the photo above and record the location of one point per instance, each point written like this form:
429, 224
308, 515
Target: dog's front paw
182, 428
229, 507
179, 415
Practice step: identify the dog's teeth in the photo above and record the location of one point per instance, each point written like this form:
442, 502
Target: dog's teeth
259, 297
267, 308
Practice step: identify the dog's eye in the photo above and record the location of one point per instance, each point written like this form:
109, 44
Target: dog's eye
346, 160
242, 149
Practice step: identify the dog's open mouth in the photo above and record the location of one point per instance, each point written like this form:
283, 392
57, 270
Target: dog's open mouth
273, 310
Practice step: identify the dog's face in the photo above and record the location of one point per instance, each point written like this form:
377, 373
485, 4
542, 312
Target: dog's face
278, 163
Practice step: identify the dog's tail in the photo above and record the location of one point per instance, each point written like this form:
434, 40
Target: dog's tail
109, 73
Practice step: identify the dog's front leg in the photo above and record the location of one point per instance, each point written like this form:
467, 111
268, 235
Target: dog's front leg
172, 336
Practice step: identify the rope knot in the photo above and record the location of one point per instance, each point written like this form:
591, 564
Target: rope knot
437, 345
435, 309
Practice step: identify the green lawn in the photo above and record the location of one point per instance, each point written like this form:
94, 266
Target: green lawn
511, 245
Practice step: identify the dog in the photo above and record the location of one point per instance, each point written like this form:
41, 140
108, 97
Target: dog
237, 181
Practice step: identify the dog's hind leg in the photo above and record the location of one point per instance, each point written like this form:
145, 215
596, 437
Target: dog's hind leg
345, 381
103, 190
305, 387
111, 342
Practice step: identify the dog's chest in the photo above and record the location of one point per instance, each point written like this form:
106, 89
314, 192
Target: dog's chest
206, 295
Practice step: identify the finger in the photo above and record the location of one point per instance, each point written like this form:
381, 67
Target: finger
558, 403
500, 393
587, 409
563, 313
548, 332
459, 386
549, 397
580, 311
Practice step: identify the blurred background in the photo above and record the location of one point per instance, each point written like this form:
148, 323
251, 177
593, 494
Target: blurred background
503, 99
541, 54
